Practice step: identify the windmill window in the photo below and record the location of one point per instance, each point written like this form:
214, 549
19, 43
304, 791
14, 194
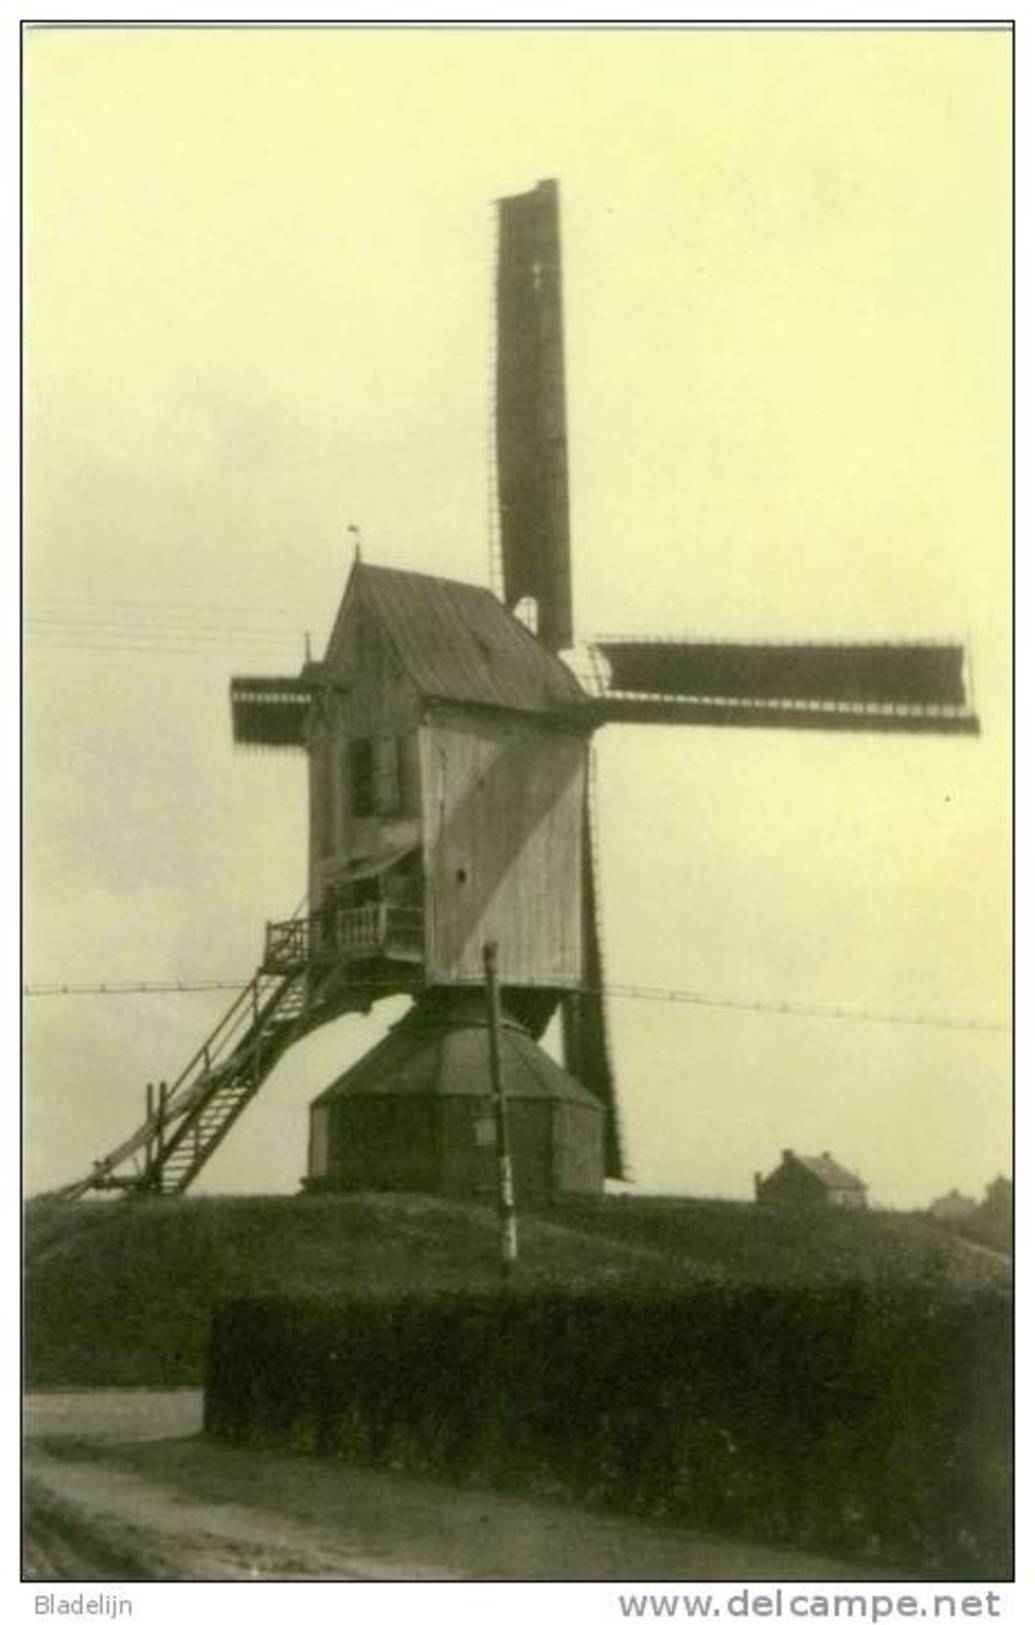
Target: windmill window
361, 776
374, 775
386, 774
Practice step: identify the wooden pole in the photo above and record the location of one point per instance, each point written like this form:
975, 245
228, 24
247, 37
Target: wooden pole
508, 1219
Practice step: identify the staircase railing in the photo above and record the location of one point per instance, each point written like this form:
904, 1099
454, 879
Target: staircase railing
303, 981
197, 1111
197, 1078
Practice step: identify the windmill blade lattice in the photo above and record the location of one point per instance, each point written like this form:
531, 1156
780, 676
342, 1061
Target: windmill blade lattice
531, 426
886, 687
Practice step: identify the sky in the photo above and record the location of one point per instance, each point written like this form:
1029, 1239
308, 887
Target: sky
258, 287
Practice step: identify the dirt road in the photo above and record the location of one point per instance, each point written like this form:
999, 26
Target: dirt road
119, 1485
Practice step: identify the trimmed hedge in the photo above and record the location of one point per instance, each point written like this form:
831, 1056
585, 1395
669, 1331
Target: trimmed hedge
836, 1417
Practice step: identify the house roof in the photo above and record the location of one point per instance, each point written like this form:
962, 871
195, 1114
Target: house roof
953, 1202
444, 1050
830, 1173
457, 642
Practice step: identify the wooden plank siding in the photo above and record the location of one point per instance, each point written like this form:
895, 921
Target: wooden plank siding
367, 696
319, 1142
491, 794
502, 815
447, 1143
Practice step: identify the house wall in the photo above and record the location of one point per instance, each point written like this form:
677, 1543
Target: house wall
846, 1198
793, 1183
381, 1142
319, 1142
470, 1163
448, 1144
578, 1149
530, 1126
368, 697
502, 800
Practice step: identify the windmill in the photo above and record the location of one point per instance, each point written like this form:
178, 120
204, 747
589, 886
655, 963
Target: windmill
448, 754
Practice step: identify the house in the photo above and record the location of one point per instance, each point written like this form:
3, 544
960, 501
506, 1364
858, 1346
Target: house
952, 1206
807, 1180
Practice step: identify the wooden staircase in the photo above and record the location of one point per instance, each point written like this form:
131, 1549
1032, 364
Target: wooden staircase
195, 1114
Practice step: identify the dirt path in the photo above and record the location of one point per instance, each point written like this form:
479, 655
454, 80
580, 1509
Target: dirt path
100, 1515
119, 1485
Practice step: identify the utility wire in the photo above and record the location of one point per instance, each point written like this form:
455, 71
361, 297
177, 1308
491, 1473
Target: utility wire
166, 642
40, 609
59, 989
152, 606
205, 633
661, 995
35, 628
180, 623
146, 628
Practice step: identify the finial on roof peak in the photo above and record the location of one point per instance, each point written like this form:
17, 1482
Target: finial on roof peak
353, 530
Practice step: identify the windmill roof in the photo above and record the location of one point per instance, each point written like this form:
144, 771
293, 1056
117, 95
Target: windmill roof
458, 642
831, 1173
446, 1054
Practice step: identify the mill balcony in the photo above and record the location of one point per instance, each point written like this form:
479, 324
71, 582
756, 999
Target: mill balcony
369, 931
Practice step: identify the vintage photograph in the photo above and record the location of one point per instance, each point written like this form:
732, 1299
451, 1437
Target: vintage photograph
518, 704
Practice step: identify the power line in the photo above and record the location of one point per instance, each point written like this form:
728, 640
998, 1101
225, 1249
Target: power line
97, 629
278, 648
151, 606
59, 989
661, 995
166, 644
90, 610
789, 1007
54, 625
102, 618
199, 650
36, 628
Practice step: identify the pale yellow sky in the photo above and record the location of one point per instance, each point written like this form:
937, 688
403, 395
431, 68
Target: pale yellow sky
258, 308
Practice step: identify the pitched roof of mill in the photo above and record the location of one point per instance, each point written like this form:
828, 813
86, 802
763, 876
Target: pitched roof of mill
458, 642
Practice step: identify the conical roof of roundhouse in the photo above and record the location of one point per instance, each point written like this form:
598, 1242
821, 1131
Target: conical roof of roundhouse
443, 1050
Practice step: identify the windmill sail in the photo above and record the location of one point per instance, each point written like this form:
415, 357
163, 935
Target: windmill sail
909, 687
531, 432
270, 711
587, 1053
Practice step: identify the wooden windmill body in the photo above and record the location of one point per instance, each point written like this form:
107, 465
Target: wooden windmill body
448, 754
447, 759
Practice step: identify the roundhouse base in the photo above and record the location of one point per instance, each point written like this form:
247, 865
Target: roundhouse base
416, 1113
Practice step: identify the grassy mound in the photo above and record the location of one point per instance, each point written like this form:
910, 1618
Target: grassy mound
770, 1242
121, 1293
